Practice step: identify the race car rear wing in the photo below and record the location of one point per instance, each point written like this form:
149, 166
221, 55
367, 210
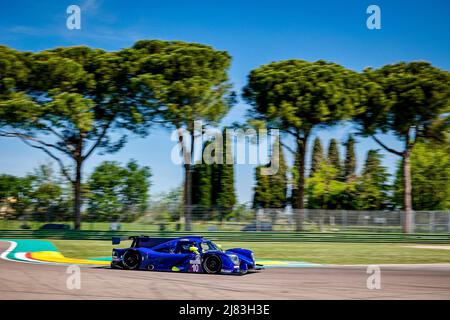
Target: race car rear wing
141, 241
116, 240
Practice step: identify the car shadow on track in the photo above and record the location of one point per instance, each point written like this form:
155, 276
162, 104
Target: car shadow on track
190, 273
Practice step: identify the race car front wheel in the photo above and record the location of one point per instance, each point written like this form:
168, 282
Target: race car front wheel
131, 260
212, 264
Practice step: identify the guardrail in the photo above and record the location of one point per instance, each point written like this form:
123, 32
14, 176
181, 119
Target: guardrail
234, 236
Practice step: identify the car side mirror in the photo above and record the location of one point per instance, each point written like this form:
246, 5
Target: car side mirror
115, 240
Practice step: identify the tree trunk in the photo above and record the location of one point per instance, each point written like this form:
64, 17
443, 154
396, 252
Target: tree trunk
406, 168
77, 195
187, 197
187, 192
407, 198
301, 147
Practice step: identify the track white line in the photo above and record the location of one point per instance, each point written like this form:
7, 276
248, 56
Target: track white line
11, 248
18, 255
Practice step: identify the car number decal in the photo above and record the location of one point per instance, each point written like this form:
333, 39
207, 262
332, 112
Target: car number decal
195, 265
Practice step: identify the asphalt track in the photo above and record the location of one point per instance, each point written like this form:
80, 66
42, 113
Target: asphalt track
40, 281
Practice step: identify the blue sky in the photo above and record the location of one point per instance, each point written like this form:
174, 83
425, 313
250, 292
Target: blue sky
253, 32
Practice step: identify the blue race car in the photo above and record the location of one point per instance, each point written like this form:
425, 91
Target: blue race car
186, 254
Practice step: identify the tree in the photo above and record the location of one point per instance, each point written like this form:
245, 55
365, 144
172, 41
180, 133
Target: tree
324, 201
296, 96
187, 82
47, 195
225, 198
373, 184
105, 191
39, 195
430, 176
15, 195
135, 193
168, 206
213, 183
333, 157
118, 193
410, 100
202, 183
278, 181
324, 189
67, 102
202, 186
374, 168
261, 195
350, 159
317, 155
271, 190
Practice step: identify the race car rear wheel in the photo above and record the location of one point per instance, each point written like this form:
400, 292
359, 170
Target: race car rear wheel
212, 264
131, 260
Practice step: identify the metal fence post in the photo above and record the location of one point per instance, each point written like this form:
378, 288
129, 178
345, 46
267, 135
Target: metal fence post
321, 221
431, 221
344, 219
448, 222
259, 212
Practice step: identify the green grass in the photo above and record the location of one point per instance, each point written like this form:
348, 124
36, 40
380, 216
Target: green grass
327, 253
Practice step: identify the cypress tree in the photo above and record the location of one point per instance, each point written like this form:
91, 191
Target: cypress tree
225, 198
350, 159
333, 155
278, 181
261, 196
216, 180
201, 185
270, 190
373, 165
373, 183
317, 155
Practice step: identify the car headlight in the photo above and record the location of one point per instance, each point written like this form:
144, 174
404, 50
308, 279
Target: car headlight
235, 259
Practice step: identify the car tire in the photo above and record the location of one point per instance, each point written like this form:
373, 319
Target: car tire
131, 260
212, 264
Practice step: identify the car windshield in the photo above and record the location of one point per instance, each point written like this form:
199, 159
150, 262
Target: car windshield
208, 246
